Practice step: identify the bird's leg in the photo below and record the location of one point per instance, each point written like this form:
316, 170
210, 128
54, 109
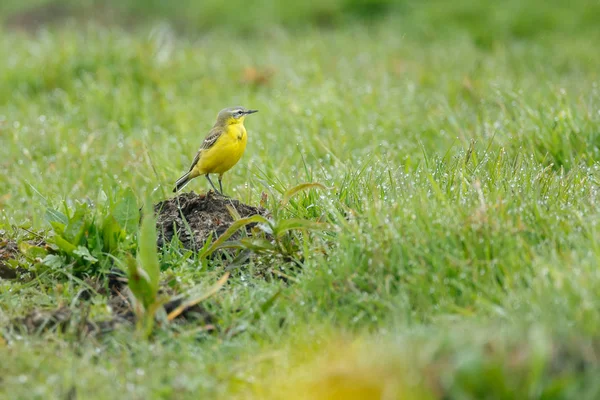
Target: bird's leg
212, 184
221, 185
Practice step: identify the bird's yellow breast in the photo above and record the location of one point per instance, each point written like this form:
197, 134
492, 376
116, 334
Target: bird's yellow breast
225, 153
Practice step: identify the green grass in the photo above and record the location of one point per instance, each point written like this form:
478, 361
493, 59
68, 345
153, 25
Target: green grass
459, 145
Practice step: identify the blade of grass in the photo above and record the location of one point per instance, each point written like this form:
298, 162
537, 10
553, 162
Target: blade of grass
230, 231
211, 291
299, 188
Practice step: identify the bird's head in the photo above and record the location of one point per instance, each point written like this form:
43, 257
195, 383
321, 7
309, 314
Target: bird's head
233, 115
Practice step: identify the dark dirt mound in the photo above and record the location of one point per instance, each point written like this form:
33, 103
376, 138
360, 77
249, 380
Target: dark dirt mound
195, 216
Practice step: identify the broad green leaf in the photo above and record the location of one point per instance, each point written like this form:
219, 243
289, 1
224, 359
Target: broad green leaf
147, 253
77, 224
240, 223
84, 253
299, 188
94, 240
64, 245
58, 227
111, 234
192, 302
54, 261
139, 283
126, 211
32, 251
53, 215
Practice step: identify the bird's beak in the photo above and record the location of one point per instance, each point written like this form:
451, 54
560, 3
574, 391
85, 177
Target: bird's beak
251, 111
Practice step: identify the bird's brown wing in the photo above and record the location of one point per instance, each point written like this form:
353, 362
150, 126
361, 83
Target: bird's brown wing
209, 141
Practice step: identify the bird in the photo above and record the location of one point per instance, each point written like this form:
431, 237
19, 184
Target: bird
221, 149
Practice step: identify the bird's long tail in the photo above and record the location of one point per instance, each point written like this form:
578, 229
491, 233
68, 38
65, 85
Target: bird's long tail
181, 182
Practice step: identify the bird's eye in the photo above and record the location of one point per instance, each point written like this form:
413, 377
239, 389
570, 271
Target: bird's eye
238, 114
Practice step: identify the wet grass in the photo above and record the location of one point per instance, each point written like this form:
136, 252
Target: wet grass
462, 255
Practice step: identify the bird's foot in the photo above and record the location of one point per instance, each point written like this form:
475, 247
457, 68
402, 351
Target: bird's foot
221, 194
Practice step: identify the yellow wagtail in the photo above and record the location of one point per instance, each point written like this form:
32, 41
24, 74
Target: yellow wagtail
222, 148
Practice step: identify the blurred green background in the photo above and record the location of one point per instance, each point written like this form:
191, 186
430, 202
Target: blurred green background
486, 22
